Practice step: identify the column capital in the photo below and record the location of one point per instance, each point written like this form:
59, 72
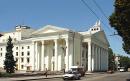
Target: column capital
42, 42
55, 40
33, 42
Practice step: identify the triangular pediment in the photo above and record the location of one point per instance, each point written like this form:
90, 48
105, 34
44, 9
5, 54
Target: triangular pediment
101, 36
49, 29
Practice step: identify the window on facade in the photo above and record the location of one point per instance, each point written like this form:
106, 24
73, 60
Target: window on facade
3, 40
53, 52
22, 47
53, 64
21, 66
22, 54
65, 65
16, 59
16, 48
16, 53
14, 39
22, 59
28, 53
28, 47
28, 60
1, 49
1, 54
83, 53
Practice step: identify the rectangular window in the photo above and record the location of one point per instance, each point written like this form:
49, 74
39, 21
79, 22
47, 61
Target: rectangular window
16, 48
14, 39
1, 49
22, 60
28, 47
21, 66
28, 53
16, 59
53, 52
28, 60
53, 64
83, 53
22, 54
1, 54
3, 40
64, 52
16, 53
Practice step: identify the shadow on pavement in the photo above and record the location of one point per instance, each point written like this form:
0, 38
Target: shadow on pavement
127, 79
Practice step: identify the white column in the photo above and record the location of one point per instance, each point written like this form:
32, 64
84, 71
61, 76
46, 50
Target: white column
99, 59
107, 58
67, 54
96, 65
42, 57
103, 59
56, 54
33, 57
36, 57
89, 57
93, 56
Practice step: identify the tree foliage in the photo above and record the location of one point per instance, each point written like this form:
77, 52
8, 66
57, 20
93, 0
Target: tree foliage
120, 20
111, 62
9, 58
1, 35
124, 61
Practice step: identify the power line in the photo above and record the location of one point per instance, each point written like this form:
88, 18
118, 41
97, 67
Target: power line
101, 10
85, 3
90, 9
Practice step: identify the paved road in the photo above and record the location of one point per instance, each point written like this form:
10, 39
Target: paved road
123, 76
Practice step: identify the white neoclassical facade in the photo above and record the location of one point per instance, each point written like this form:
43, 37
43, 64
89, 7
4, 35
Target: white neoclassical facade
56, 48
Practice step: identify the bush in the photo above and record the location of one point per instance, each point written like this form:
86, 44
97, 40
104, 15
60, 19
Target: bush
5, 74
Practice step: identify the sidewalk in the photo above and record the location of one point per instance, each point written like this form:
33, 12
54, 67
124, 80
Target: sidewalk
30, 78
26, 78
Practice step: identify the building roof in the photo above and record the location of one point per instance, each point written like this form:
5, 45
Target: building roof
50, 29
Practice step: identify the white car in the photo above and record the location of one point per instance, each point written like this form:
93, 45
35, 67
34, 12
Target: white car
72, 75
122, 69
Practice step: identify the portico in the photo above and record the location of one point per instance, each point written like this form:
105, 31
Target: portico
54, 48
52, 54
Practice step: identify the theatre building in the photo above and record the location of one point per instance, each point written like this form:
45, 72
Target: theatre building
56, 48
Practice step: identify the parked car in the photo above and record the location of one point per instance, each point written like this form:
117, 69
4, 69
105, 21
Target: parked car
78, 69
72, 75
122, 69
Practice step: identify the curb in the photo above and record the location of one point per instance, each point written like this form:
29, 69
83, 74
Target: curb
37, 78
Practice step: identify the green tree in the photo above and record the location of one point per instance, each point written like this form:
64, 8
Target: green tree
120, 20
9, 58
1, 35
124, 61
111, 61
